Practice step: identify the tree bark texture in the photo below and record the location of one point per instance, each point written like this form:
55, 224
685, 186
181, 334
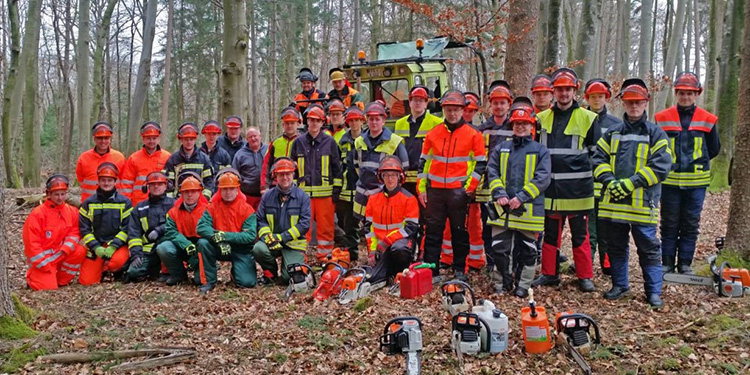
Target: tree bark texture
83, 94
142, 79
31, 126
644, 43
164, 118
518, 69
11, 173
234, 68
102, 39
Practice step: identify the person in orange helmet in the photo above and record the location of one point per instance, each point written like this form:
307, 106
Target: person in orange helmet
89, 160
150, 158
103, 222
50, 239
541, 92
220, 158
472, 108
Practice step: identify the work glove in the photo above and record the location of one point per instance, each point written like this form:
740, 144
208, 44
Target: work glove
620, 189
137, 261
225, 248
218, 236
109, 251
152, 236
190, 249
100, 251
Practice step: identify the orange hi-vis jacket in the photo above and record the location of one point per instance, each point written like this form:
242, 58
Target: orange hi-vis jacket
314, 94
452, 159
133, 174
229, 217
86, 169
181, 225
390, 217
50, 232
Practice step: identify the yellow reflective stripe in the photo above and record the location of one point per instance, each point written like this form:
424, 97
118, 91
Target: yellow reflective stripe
294, 232
649, 175
532, 190
269, 219
630, 213
358, 208
133, 242
88, 238
324, 162
301, 167
300, 244
126, 214
496, 183
674, 154
615, 145
577, 204
206, 173
144, 223
504, 166
263, 231
697, 148
604, 145
148, 247
659, 145
602, 168
122, 236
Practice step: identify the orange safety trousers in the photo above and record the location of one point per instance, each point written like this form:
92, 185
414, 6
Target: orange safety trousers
92, 269
323, 210
66, 269
476, 258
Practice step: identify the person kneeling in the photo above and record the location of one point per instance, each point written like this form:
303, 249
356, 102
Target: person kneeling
229, 225
283, 220
391, 222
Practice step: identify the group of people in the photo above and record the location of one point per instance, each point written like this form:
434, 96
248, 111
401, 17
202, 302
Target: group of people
443, 190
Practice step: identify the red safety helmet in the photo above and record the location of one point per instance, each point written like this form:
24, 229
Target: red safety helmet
375, 108
634, 89
391, 163
335, 105
541, 83
57, 182
187, 130
419, 91
565, 77
597, 86
155, 178
290, 114
283, 165
315, 111
453, 97
107, 169
102, 129
500, 90
473, 100
354, 113
233, 122
211, 127
228, 178
688, 81
150, 129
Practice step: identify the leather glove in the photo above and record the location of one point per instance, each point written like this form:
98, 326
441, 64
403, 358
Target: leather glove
137, 261
218, 236
153, 236
109, 251
100, 251
225, 248
190, 249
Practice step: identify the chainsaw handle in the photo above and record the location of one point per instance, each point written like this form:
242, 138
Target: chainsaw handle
305, 266
463, 284
720, 276
467, 315
577, 317
400, 319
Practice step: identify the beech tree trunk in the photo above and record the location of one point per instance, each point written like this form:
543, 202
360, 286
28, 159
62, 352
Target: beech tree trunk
164, 121
234, 80
142, 79
32, 128
83, 95
524, 15
11, 173
102, 39
644, 43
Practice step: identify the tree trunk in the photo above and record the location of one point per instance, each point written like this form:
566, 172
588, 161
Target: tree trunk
102, 39
552, 35
164, 121
738, 227
11, 173
253, 60
340, 30
541, 32
644, 43
672, 52
729, 72
697, 36
622, 35
31, 127
234, 80
142, 79
6, 298
715, 38
83, 95
584, 49
688, 33
357, 25
569, 41
523, 18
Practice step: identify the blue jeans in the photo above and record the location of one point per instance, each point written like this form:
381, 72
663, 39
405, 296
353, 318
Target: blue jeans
615, 236
680, 220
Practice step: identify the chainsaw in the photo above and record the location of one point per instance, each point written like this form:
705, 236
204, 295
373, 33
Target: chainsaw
301, 279
574, 333
357, 285
455, 299
404, 335
466, 337
725, 281
330, 281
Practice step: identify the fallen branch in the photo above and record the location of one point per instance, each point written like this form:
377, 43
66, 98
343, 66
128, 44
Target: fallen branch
669, 330
34, 200
168, 356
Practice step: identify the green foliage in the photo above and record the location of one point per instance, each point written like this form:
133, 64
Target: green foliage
670, 364
734, 259
602, 352
313, 322
17, 327
24, 313
726, 368
685, 350
50, 126
15, 359
362, 304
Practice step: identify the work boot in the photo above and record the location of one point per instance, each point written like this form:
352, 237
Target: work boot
616, 293
684, 268
444, 266
175, 280
461, 276
546, 280
521, 292
586, 285
654, 300
667, 264
562, 258
205, 288
163, 277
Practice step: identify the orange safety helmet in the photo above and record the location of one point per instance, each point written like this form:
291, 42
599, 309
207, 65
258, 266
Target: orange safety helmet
597, 86
315, 111
150, 129
453, 97
102, 129
190, 181
156, 177
354, 113
634, 89
107, 169
419, 91
228, 178
283, 165
335, 105
57, 182
211, 127
565, 77
233, 122
375, 108
391, 163
500, 89
540, 83
290, 114
187, 130
688, 81
473, 100
522, 110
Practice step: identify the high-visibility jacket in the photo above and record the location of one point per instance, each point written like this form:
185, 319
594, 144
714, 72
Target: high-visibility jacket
568, 135
181, 225
149, 215
604, 121
231, 147
638, 151
103, 219
86, 167
520, 168
368, 153
452, 159
350, 176
414, 131
279, 147
137, 167
290, 217
349, 96
250, 165
49, 232
197, 162
337, 134
391, 216
318, 165
310, 95
219, 157
236, 219
694, 140
493, 134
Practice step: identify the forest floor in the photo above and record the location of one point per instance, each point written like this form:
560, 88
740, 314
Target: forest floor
244, 331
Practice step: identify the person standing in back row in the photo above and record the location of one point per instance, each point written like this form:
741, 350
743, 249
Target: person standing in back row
249, 162
232, 140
